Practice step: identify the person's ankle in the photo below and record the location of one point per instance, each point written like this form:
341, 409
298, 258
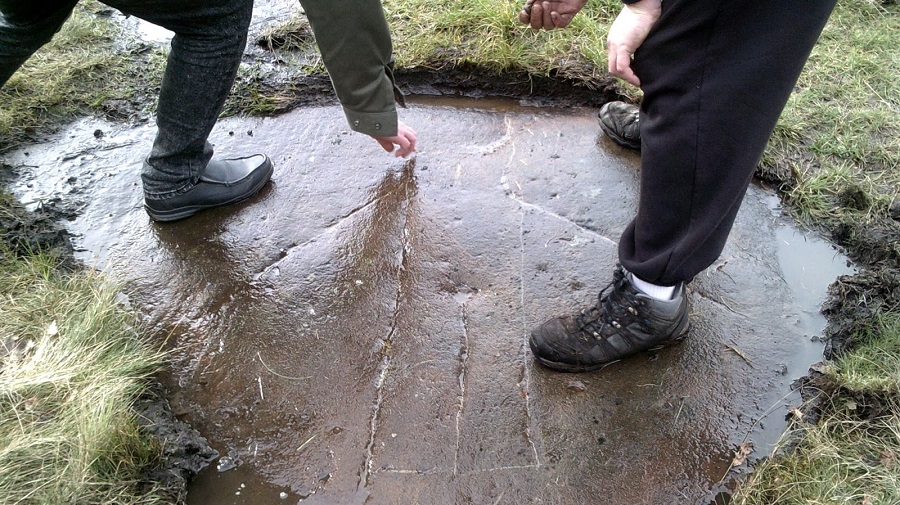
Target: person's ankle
656, 291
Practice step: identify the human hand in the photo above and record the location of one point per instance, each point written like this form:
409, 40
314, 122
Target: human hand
549, 14
627, 33
405, 140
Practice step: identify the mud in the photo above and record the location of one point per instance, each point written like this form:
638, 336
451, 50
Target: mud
184, 451
26, 231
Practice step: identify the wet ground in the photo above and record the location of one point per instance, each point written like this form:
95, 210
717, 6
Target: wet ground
357, 332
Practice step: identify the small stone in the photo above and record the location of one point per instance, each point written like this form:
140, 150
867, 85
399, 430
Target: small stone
98, 133
576, 386
225, 463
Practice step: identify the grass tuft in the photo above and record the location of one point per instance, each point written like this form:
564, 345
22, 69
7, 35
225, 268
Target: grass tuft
487, 33
839, 460
71, 365
82, 69
843, 118
874, 365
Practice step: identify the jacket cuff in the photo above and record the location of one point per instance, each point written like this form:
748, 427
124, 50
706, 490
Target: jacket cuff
374, 124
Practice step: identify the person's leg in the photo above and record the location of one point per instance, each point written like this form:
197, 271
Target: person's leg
180, 178
716, 75
25, 27
206, 51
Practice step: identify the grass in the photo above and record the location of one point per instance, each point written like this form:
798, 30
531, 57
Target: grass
843, 119
852, 455
874, 366
839, 460
81, 69
71, 364
487, 33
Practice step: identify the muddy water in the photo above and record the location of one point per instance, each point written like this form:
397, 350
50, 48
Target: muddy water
356, 333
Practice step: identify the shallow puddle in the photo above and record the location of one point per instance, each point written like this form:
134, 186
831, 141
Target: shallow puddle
356, 333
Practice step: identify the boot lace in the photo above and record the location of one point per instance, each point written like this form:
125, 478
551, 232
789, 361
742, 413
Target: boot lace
608, 311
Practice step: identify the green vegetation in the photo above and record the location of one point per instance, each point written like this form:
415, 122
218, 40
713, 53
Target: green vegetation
843, 121
487, 33
71, 364
874, 366
852, 454
81, 69
838, 142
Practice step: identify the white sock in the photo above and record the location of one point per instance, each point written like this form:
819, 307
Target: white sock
653, 290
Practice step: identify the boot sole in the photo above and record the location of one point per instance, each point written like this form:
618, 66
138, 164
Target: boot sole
611, 133
570, 368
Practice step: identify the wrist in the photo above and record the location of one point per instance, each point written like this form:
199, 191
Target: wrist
647, 4
644, 7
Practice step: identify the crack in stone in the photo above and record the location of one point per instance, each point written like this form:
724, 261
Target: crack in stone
463, 372
403, 471
717, 299
524, 375
496, 145
384, 367
328, 227
542, 210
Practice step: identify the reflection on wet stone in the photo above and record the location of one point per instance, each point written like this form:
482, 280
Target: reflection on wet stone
356, 333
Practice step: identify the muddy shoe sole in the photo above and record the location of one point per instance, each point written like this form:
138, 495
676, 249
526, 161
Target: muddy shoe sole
581, 368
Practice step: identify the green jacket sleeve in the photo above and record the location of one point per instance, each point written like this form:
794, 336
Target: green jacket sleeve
355, 43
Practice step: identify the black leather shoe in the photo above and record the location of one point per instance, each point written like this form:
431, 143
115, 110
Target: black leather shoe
223, 182
625, 321
620, 121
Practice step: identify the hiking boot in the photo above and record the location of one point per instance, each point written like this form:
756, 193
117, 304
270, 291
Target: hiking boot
620, 121
624, 321
222, 182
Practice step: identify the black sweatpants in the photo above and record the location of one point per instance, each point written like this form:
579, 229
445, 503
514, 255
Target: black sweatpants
716, 75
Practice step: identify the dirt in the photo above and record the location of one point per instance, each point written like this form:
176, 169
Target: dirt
24, 231
184, 451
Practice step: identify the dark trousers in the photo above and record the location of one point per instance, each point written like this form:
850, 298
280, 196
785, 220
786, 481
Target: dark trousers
209, 40
716, 75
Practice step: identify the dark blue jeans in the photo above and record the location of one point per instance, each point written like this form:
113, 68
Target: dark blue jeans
209, 40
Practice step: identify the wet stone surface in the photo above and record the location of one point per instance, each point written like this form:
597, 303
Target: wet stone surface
357, 333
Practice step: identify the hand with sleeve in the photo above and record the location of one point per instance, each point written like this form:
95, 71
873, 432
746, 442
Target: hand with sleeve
405, 141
